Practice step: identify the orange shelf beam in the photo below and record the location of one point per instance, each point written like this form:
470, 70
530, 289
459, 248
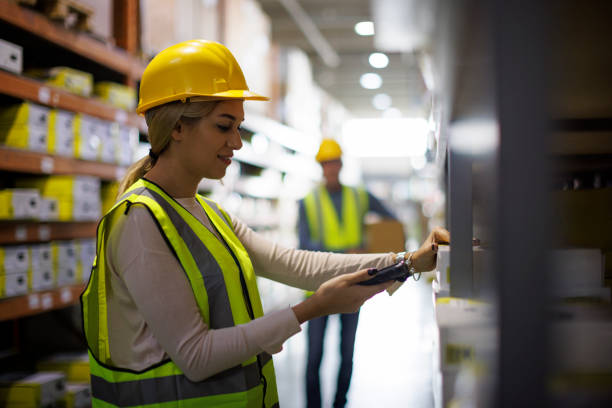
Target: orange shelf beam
39, 302
24, 161
22, 232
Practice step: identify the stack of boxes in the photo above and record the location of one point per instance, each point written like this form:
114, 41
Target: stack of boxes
78, 197
37, 128
14, 264
24, 126
37, 267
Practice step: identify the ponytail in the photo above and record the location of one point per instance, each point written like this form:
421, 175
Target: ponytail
161, 121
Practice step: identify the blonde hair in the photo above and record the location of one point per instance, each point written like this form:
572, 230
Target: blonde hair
161, 121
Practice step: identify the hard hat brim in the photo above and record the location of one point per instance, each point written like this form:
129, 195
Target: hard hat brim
219, 96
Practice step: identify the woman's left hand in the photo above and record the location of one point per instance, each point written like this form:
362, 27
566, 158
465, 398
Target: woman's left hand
424, 258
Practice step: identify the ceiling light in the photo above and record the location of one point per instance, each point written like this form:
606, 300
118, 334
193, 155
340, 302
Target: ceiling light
370, 81
378, 60
364, 28
381, 101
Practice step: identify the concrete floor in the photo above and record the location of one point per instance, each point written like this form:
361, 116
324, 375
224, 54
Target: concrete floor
393, 354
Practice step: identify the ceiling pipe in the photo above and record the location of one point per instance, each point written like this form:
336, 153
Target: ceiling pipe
311, 32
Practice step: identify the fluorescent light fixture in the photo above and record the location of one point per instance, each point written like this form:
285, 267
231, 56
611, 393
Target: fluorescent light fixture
364, 28
399, 137
378, 60
381, 101
370, 81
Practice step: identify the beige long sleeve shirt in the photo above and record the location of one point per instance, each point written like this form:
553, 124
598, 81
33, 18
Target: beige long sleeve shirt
153, 314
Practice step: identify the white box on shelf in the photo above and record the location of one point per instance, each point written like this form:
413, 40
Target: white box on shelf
443, 271
87, 139
13, 284
11, 57
87, 254
61, 133
466, 333
19, 203
14, 259
127, 141
65, 262
40, 274
108, 136
49, 209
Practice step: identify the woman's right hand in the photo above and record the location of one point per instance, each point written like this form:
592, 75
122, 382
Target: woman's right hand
338, 295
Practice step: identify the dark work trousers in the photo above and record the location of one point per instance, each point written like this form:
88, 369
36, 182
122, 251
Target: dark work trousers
316, 335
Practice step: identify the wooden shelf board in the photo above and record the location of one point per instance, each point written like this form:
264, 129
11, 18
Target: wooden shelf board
25, 161
22, 232
79, 43
38, 92
39, 302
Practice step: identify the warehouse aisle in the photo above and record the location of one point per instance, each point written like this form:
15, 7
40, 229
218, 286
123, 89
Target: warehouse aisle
392, 362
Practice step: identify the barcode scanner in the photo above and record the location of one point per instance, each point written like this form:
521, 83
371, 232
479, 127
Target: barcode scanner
398, 272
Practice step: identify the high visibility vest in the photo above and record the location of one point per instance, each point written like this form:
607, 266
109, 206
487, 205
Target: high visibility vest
223, 283
336, 232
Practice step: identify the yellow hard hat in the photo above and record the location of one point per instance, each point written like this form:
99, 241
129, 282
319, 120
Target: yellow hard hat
189, 69
328, 150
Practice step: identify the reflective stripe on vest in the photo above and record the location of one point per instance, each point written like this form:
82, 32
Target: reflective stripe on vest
211, 269
334, 232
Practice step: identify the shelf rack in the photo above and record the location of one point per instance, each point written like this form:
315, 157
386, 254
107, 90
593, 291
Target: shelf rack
82, 44
31, 89
38, 302
24, 161
16, 232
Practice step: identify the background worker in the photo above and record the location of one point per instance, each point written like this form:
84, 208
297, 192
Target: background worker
172, 314
331, 218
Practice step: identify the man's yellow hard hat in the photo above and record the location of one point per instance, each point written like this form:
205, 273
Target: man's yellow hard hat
196, 68
328, 150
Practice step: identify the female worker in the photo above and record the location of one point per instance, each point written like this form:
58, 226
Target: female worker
172, 314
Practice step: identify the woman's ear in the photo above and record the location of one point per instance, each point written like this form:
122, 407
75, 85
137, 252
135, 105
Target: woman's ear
178, 132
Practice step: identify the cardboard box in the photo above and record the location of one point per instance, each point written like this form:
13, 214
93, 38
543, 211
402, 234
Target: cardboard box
19, 204
64, 262
60, 137
86, 255
33, 391
13, 284
127, 142
25, 114
24, 126
78, 395
75, 366
11, 57
87, 141
118, 95
78, 197
70, 79
14, 259
385, 236
442, 271
40, 273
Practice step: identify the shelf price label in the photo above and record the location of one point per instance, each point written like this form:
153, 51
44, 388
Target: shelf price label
46, 301
66, 295
44, 232
46, 165
44, 95
34, 301
21, 233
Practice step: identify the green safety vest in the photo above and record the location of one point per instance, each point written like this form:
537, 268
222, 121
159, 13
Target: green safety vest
336, 233
224, 287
